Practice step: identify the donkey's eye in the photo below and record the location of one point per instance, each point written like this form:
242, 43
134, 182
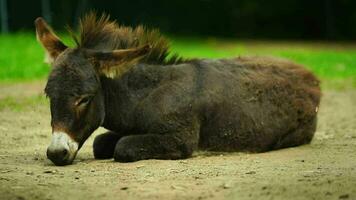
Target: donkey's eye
83, 101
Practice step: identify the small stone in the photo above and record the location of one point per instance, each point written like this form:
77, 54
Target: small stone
50, 172
176, 187
173, 170
226, 186
139, 166
344, 196
124, 188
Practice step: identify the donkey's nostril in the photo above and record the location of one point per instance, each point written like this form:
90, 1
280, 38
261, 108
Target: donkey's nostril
64, 153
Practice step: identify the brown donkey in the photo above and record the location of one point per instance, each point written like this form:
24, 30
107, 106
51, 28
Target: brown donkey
161, 107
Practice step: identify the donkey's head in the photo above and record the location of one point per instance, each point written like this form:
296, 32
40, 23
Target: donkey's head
74, 90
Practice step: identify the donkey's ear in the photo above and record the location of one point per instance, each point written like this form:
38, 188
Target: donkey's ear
49, 40
117, 62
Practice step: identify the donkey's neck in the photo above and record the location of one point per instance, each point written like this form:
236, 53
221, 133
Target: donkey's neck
116, 107
123, 94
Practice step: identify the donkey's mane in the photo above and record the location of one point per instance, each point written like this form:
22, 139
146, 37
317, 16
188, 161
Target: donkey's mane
101, 33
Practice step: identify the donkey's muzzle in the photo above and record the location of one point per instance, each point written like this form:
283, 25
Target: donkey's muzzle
62, 149
58, 156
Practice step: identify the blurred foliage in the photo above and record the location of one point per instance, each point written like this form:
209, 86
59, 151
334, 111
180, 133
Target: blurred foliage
297, 19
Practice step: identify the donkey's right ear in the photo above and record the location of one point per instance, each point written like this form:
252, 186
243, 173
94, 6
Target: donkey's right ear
49, 40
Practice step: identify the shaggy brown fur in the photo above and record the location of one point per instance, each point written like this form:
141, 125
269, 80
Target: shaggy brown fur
103, 34
165, 108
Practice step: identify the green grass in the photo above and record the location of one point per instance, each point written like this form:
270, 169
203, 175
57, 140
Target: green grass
325, 63
323, 60
21, 57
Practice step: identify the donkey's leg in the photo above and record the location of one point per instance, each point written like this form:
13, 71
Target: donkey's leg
153, 146
302, 135
104, 145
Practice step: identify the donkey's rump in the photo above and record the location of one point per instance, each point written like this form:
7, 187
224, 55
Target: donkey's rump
252, 103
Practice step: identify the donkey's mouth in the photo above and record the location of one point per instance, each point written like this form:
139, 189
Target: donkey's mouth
62, 149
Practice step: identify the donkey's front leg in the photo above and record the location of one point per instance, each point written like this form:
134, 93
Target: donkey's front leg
104, 145
153, 146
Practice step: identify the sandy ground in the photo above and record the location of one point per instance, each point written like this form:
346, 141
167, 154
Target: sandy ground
326, 169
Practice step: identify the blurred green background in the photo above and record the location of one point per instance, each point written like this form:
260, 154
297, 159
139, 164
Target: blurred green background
318, 34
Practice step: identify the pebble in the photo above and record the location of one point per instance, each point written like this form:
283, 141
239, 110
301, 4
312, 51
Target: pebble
226, 186
344, 196
176, 187
139, 166
50, 171
124, 188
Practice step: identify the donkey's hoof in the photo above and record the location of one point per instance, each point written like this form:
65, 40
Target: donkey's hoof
104, 145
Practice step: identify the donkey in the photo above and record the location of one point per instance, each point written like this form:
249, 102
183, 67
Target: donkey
157, 106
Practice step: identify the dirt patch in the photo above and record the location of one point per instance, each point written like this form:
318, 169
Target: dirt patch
326, 169
20, 90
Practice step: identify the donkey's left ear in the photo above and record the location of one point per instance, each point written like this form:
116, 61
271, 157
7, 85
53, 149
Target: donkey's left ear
117, 62
49, 40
